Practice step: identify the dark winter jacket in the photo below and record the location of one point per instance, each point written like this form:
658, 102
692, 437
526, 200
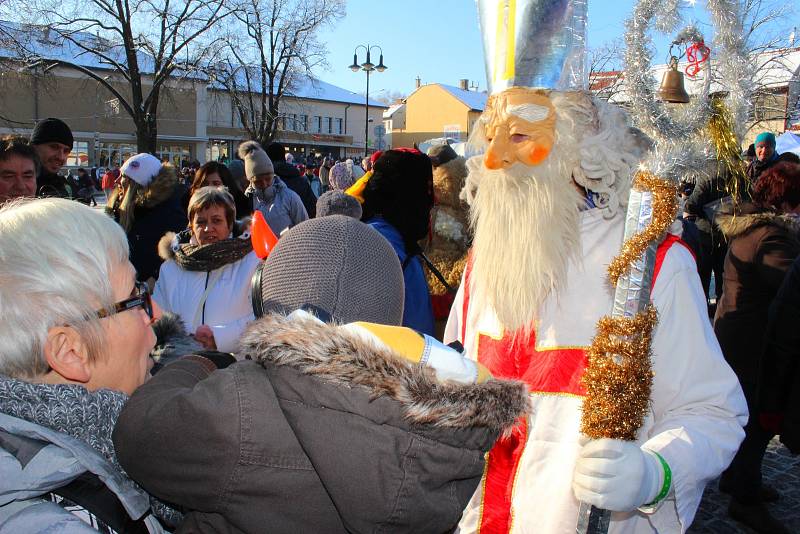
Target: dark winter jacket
761, 247
705, 198
779, 391
757, 167
321, 432
297, 183
158, 211
52, 185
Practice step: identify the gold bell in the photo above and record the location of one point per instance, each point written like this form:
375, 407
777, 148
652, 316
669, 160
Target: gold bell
672, 89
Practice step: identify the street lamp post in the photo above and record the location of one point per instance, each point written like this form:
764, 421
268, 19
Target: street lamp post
367, 66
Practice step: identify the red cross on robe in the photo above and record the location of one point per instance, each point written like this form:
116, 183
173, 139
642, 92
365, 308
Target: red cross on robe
557, 371
549, 371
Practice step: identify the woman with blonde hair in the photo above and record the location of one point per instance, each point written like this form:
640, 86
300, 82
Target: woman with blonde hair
147, 204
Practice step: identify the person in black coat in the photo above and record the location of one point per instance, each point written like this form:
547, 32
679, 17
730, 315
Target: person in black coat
701, 208
147, 205
763, 242
52, 139
291, 176
779, 394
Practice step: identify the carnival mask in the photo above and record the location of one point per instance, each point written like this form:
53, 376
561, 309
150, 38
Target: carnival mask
520, 127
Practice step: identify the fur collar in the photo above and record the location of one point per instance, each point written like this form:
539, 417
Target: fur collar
736, 224
160, 189
172, 340
344, 359
167, 243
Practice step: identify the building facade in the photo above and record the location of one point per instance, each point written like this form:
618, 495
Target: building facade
435, 111
196, 121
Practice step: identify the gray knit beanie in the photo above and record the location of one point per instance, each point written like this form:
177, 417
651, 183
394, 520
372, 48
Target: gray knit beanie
335, 266
255, 159
335, 202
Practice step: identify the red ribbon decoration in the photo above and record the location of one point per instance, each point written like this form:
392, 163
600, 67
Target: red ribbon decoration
696, 54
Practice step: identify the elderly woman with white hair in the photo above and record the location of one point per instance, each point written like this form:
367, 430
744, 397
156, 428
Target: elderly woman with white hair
77, 337
205, 278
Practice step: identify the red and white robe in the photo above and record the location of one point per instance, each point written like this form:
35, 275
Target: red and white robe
697, 411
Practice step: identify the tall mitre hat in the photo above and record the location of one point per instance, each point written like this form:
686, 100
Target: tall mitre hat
534, 43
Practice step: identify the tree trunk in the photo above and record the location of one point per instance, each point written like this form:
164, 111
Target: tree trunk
147, 126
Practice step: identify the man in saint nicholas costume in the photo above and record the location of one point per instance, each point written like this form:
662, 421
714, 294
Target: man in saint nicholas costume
547, 196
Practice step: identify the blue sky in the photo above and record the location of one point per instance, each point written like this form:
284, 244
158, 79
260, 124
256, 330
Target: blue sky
439, 41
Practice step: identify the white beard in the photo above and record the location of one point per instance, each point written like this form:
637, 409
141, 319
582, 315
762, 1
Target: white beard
526, 227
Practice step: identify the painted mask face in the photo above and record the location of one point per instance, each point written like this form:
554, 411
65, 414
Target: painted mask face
520, 128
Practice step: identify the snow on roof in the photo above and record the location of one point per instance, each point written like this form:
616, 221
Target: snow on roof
41, 42
392, 110
316, 89
305, 87
472, 99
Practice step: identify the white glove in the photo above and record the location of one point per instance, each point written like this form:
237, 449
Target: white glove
616, 475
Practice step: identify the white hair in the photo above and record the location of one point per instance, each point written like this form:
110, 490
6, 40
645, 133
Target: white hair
526, 218
607, 149
56, 258
525, 223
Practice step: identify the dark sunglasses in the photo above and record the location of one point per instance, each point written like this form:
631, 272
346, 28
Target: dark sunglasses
140, 299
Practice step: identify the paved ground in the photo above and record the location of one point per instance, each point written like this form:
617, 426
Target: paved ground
782, 471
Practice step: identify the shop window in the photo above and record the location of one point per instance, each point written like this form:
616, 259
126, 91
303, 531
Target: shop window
79, 157
114, 154
218, 150
178, 155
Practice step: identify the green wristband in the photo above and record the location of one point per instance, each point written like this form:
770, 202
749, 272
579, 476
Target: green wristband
667, 481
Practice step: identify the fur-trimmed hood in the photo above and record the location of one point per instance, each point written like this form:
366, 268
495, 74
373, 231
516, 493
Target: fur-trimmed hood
749, 218
344, 359
160, 189
172, 340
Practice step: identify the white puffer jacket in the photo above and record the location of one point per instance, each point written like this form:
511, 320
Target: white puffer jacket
227, 308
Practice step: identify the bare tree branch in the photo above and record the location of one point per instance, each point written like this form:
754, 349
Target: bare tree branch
272, 44
147, 43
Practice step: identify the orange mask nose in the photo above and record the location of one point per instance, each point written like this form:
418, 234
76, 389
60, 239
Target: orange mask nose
492, 160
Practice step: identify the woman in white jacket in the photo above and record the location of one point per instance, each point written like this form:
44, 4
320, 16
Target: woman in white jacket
205, 278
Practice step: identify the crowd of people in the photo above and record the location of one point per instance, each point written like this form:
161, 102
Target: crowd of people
158, 374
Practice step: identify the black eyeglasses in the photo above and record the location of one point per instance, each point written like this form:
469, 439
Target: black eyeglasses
141, 299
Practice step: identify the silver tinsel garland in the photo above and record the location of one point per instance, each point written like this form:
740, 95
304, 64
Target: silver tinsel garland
680, 151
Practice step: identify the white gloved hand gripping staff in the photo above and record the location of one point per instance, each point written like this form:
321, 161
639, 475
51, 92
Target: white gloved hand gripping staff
620, 476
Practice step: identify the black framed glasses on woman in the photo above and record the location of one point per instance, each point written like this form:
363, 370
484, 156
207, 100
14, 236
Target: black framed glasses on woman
141, 299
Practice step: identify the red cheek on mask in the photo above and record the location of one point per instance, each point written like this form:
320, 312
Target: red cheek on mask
538, 154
